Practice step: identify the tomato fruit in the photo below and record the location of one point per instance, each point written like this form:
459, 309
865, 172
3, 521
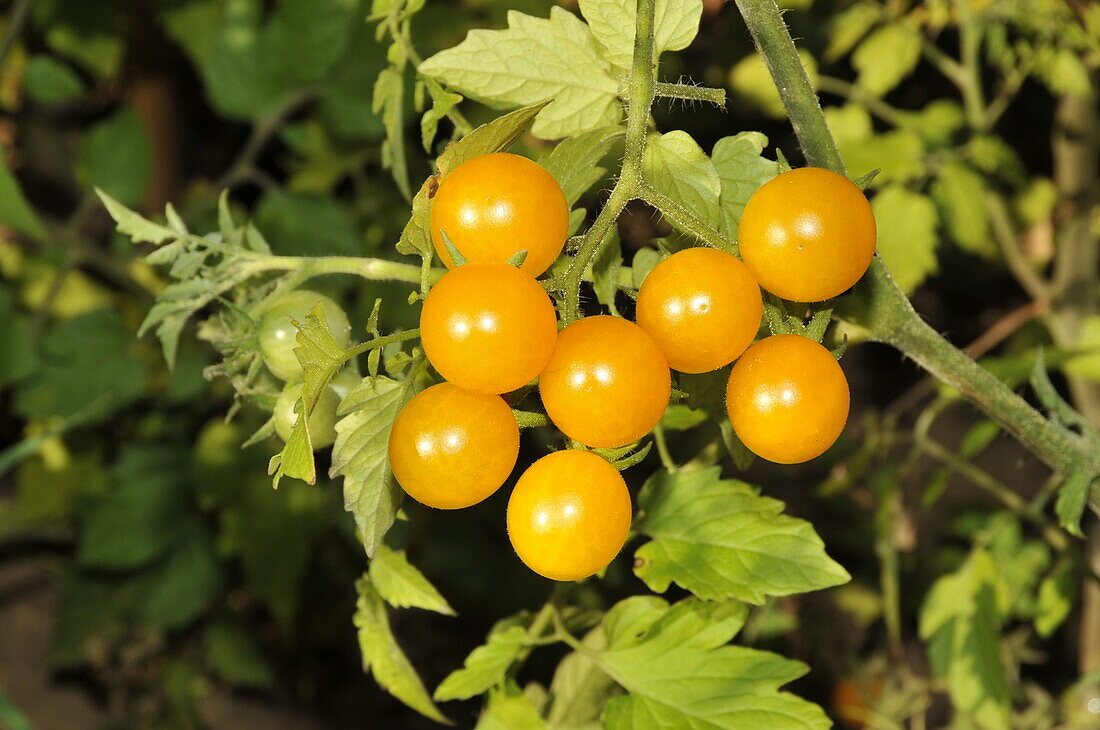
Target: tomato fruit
494, 206
787, 399
322, 422
702, 307
607, 383
807, 235
451, 448
488, 327
278, 335
569, 515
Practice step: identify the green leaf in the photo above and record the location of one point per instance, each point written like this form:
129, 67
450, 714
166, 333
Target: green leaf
84, 370
605, 270
742, 171
486, 665
10, 716
342, 102
887, 56
384, 658
908, 244
137, 520
360, 455
402, 585
533, 61
1056, 596
237, 74
679, 417
848, 27
1087, 363
442, 103
303, 39
675, 24
1062, 71
321, 357
676, 166
720, 539
510, 710
1073, 496
580, 689
15, 211
234, 657
17, 353
495, 136
574, 162
137, 227
729, 686
960, 620
116, 155
50, 81
645, 259
180, 588
388, 100
898, 153
304, 224
960, 194
85, 32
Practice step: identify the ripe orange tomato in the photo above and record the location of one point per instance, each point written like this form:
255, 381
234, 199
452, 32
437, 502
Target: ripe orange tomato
451, 448
787, 399
607, 384
569, 515
494, 206
702, 307
488, 327
807, 235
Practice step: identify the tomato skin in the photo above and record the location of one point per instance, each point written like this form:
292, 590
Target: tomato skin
607, 384
494, 206
702, 307
807, 235
488, 327
322, 422
278, 335
787, 399
451, 448
569, 515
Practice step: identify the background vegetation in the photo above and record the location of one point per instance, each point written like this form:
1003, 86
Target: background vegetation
149, 575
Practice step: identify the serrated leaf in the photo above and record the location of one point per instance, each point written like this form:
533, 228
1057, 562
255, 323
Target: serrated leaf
580, 689
605, 270
485, 666
675, 25
137, 227
720, 539
574, 161
389, 101
384, 658
887, 56
675, 165
360, 455
908, 244
532, 61
741, 171
728, 687
442, 103
495, 136
403, 586
960, 620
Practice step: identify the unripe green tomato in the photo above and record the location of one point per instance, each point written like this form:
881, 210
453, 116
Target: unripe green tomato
322, 422
278, 336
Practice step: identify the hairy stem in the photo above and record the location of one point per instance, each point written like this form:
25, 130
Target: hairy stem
690, 92
686, 220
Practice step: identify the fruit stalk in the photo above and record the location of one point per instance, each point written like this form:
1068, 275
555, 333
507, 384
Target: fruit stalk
891, 318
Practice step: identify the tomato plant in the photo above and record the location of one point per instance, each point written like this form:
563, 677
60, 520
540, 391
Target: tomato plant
535, 333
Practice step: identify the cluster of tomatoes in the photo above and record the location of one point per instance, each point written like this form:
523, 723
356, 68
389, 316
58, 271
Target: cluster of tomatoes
490, 330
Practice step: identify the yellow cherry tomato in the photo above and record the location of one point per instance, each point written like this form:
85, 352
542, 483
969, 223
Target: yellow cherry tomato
787, 399
488, 327
702, 307
607, 384
494, 206
807, 235
451, 448
569, 515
